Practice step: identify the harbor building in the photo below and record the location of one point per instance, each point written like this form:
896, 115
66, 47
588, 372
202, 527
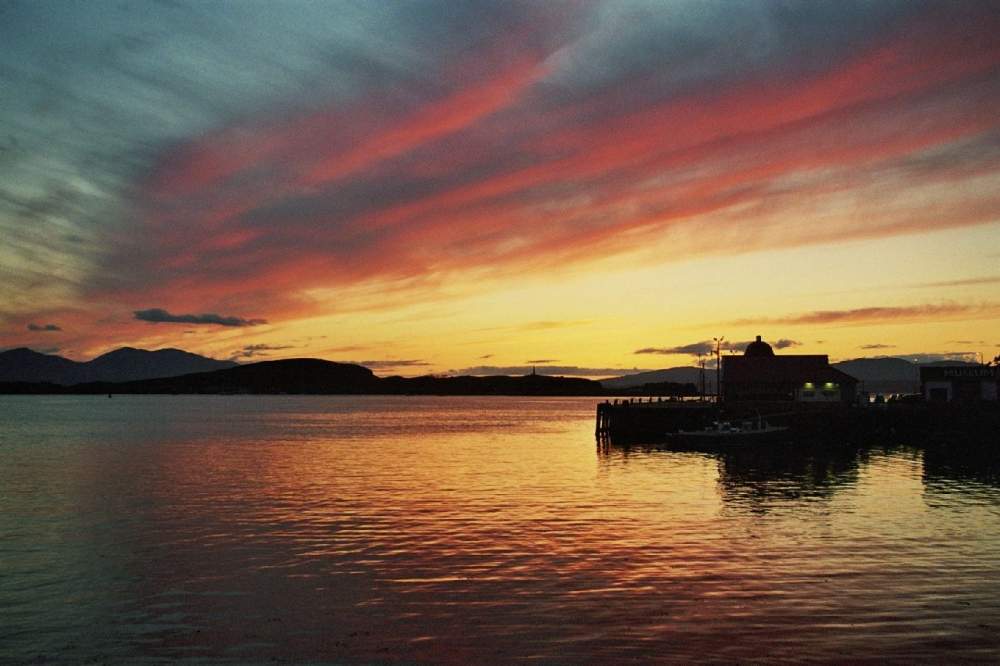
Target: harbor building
761, 375
958, 383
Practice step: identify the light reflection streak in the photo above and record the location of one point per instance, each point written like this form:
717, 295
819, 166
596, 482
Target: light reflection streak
457, 542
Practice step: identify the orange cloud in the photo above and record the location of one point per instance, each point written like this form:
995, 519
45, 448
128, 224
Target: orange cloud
989, 279
386, 202
880, 315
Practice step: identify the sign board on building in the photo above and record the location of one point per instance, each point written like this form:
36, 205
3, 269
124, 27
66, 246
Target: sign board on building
956, 372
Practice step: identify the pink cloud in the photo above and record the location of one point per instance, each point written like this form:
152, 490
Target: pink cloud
490, 177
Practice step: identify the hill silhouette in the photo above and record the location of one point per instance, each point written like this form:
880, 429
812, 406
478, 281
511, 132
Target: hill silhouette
25, 365
296, 375
129, 370
889, 374
121, 365
680, 375
316, 376
491, 385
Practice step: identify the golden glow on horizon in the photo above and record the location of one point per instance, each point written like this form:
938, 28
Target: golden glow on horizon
598, 319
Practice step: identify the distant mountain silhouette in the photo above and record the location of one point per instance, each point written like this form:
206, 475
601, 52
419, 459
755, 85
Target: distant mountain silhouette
491, 385
886, 369
296, 375
130, 370
120, 365
888, 374
681, 375
316, 376
25, 365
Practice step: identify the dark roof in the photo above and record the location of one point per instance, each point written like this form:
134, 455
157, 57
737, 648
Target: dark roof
790, 369
832, 374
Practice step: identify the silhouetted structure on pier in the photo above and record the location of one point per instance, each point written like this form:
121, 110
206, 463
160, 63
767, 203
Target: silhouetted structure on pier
760, 375
959, 383
816, 402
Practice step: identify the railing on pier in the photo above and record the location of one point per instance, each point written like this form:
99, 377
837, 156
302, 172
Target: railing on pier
651, 418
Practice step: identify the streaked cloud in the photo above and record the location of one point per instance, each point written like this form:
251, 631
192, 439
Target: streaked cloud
553, 370
695, 349
160, 316
876, 346
366, 157
345, 348
253, 351
46, 350
965, 282
541, 325
879, 315
391, 364
706, 347
43, 327
964, 357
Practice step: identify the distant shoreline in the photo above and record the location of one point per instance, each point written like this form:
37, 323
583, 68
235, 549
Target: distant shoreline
602, 396
319, 377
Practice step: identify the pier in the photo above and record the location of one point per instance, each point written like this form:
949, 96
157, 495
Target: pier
628, 421
814, 402
644, 420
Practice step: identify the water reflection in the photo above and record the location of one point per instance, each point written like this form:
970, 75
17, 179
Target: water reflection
959, 463
758, 476
439, 530
762, 478
759, 479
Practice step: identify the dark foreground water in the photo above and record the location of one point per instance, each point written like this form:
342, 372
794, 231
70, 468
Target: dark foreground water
471, 530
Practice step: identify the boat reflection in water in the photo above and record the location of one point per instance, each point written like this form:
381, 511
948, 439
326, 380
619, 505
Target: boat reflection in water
756, 474
956, 464
757, 478
751, 473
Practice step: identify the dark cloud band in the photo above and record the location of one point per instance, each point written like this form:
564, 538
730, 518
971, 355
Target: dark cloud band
559, 370
708, 347
161, 316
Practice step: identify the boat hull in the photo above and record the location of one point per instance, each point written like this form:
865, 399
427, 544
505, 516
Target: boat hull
727, 440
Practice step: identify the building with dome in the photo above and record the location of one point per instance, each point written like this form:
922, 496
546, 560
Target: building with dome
761, 375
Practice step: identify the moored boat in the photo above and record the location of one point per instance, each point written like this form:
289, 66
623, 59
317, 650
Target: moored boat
726, 434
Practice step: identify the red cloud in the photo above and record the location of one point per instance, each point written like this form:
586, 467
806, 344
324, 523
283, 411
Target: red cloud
491, 177
447, 116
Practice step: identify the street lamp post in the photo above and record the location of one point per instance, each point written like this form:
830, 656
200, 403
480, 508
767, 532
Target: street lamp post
718, 368
701, 375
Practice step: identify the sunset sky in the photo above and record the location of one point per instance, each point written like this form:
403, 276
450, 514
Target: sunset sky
484, 186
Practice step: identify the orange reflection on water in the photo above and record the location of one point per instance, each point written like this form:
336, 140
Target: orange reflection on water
454, 530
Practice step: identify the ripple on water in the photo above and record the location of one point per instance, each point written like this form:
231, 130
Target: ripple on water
457, 530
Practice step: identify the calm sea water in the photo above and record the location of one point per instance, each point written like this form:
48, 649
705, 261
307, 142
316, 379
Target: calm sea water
471, 530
